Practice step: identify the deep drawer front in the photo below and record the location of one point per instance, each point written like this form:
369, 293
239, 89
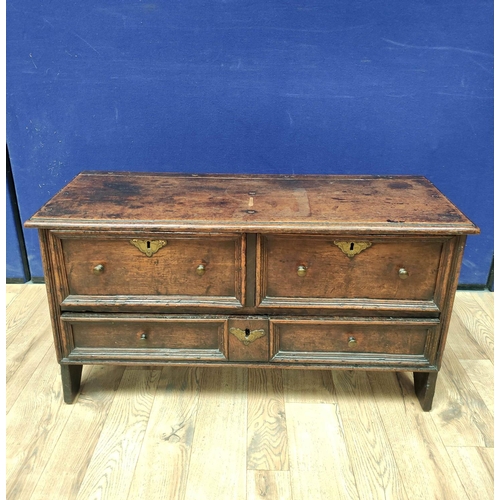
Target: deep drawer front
183, 268
351, 341
321, 268
168, 337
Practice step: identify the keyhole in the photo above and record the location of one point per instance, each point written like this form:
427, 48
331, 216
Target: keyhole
247, 332
148, 244
352, 247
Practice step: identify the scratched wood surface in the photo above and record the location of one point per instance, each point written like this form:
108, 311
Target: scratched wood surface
192, 433
259, 201
171, 271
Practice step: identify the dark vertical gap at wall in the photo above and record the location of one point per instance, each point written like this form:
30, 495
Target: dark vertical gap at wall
17, 219
491, 277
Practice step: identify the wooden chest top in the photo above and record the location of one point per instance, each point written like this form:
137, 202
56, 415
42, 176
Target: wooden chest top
97, 200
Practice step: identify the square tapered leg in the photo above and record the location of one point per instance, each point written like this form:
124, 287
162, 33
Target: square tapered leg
425, 386
71, 376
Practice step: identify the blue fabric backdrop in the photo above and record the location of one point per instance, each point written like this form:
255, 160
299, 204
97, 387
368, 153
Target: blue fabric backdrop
269, 86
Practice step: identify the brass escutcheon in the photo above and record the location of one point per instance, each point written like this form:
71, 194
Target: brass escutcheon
352, 248
247, 336
148, 247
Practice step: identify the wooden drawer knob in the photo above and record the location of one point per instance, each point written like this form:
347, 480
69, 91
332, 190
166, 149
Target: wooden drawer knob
99, 269
403, 273
200, 270
301, 271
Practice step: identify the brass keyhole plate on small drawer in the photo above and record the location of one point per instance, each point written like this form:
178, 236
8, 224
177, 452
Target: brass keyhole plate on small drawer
248, 339
247, 336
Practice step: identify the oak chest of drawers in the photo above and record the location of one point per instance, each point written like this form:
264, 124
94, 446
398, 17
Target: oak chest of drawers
275, 271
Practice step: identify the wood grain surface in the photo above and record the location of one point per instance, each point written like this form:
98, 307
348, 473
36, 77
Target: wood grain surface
481, 374
12, 291
414, 439
366, 439
252, 344
81, 435
329, 273
480, 324
330, 336
34, 426
27, 302
267, 442
308, 386
219, 443
320, 464
460, 413
172, 270
283, 203
111, 469
475, 473
185, 433
268, 484
163, 465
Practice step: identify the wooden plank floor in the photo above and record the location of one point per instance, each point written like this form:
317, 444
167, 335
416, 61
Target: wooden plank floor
234, 434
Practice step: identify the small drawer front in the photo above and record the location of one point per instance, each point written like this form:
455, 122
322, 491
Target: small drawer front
389, 341
126, 336
248, 339
323, 268
171, 268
